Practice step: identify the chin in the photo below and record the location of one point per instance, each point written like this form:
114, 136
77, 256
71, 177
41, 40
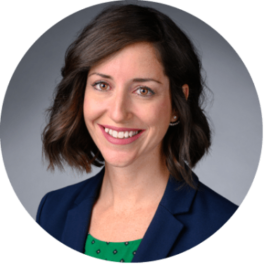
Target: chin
119, 160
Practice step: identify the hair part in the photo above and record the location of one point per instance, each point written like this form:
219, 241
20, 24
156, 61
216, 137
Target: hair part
66, 138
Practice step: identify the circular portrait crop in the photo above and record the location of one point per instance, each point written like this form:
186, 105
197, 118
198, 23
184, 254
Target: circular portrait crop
131, 131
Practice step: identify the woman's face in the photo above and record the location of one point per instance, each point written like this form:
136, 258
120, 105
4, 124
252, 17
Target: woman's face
127, 105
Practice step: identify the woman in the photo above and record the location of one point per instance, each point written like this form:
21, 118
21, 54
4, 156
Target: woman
130, 99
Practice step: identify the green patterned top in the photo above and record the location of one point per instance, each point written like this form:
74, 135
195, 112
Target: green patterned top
113, 251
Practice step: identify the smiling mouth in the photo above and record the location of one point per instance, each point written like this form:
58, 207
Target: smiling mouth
121, 134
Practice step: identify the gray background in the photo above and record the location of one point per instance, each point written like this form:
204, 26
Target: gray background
235, 112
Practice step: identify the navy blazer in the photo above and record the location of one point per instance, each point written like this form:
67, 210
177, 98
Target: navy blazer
184, 218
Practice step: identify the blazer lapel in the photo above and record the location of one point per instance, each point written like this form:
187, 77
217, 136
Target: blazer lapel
159, 238
164, 228
78, 218
76, 227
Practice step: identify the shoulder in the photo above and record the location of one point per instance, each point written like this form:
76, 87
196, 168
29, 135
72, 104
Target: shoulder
211, 202
208, 200
180, 198
210, 210
190, 215
61, 200
69, 193
200, 207
204, 214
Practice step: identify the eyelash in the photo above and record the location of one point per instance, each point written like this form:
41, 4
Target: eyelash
141, 87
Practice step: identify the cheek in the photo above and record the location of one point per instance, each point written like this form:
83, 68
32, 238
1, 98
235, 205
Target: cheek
91, 109
86, 108
160, 114
90, 113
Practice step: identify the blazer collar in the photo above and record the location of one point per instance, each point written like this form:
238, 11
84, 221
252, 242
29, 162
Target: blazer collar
163, 229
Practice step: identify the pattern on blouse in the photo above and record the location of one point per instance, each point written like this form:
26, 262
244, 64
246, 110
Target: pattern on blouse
114, 252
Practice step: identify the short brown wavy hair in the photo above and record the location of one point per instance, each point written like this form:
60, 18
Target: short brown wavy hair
66, 138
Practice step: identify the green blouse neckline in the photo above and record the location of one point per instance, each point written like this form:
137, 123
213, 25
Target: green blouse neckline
131, 241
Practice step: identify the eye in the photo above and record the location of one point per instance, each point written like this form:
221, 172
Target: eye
101, 86
144, 91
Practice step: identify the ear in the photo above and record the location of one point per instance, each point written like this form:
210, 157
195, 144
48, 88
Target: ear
174, 117
185, 90
173, 120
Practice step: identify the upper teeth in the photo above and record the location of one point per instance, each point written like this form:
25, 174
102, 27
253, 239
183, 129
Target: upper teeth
120, 134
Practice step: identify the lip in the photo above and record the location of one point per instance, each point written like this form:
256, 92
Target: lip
120, 141
120, 128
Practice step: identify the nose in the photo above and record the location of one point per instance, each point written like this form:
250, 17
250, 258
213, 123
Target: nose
119, 107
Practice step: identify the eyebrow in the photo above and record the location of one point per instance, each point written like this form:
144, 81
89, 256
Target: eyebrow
134, 80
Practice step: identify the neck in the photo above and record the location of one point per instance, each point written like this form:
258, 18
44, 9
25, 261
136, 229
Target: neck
135, 186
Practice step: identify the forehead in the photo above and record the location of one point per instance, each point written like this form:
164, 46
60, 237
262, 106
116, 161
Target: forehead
139, 58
